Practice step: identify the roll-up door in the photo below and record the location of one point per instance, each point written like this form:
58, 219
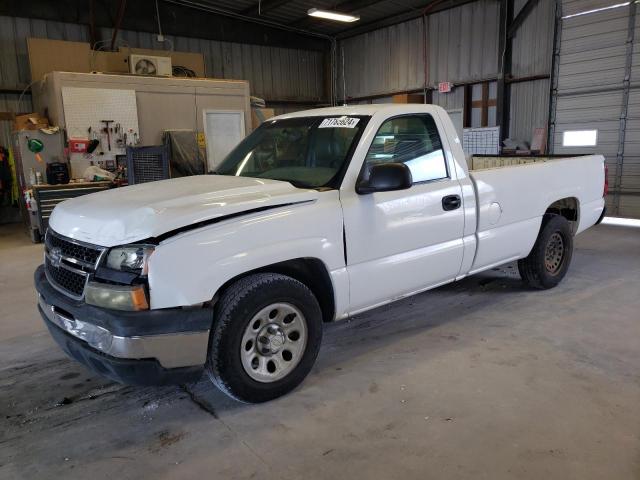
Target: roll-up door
596, 93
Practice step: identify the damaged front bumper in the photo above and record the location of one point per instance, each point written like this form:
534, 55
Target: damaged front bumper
152, 347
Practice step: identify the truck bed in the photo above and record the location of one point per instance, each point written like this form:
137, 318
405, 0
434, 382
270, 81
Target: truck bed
511, 201
485, 162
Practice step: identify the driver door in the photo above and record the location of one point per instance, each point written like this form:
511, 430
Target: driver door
401, 242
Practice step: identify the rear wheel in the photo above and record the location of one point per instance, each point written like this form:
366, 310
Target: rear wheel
549, 260
266, 337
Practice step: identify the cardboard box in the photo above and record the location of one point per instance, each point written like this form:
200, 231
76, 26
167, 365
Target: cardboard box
48, 55
539, 141
259, 115
30, 121
62, 56
111, 62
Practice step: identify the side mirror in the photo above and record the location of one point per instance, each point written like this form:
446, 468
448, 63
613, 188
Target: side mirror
386, 177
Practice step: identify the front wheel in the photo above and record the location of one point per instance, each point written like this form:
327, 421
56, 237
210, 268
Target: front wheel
266, 337
549, 260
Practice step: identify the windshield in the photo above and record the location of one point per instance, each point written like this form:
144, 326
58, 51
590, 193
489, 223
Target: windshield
308, 152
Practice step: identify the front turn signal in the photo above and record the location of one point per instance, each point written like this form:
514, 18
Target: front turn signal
116, 297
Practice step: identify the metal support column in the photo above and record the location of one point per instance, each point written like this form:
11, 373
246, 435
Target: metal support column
622, 129
555, 67
505, 61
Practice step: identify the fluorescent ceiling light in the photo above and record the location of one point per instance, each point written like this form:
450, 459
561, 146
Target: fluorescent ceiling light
337, 16
596, 10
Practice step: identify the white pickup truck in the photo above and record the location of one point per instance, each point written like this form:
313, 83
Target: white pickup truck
315, 216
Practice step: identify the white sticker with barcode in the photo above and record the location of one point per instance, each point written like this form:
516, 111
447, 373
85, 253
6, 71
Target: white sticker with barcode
340, 122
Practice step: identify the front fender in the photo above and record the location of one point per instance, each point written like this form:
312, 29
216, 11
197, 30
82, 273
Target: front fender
191, 267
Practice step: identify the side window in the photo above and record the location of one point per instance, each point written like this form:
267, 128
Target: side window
414, 141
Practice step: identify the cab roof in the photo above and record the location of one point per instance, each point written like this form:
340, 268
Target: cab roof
369, 110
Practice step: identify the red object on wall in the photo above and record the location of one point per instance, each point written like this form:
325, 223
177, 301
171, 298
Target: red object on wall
445, 87
78, 145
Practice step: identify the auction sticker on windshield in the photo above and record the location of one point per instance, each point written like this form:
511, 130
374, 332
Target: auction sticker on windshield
340, 122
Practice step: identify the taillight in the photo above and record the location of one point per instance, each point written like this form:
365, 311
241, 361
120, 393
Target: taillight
606, 181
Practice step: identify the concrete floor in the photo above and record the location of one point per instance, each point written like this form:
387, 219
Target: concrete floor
481, 379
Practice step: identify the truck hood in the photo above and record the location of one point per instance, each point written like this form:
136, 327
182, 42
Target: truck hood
130, 214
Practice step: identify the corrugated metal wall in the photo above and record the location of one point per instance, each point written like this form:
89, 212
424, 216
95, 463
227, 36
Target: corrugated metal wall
592, 94
532, 56
449, 101
383, 61
273, 73
529, 108
462, 47
463, 43
533, 42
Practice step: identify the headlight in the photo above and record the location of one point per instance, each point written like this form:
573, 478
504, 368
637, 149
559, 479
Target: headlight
132, 258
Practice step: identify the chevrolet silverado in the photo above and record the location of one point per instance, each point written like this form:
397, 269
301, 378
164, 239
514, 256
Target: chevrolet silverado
314, 217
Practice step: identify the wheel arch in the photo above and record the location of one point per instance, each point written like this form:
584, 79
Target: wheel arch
569, 208
310, 271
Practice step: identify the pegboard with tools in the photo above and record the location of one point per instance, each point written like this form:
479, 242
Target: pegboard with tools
100, 124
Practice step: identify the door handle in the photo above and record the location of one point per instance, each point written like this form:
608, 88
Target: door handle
451, 202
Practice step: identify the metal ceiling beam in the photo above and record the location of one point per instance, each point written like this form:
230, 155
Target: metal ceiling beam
400, 18
264, 6
521, 17
116, 26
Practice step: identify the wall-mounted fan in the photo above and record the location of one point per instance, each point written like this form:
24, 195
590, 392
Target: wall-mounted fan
150, 65
144, 66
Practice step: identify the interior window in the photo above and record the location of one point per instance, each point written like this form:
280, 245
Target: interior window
414, 141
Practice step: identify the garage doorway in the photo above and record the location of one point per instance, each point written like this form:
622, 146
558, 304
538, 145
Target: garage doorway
595, 105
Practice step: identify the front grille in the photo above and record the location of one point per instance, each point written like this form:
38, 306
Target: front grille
69, 263
74, 250
66, 279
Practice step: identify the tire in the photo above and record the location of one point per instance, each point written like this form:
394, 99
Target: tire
549, 260
242, 371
